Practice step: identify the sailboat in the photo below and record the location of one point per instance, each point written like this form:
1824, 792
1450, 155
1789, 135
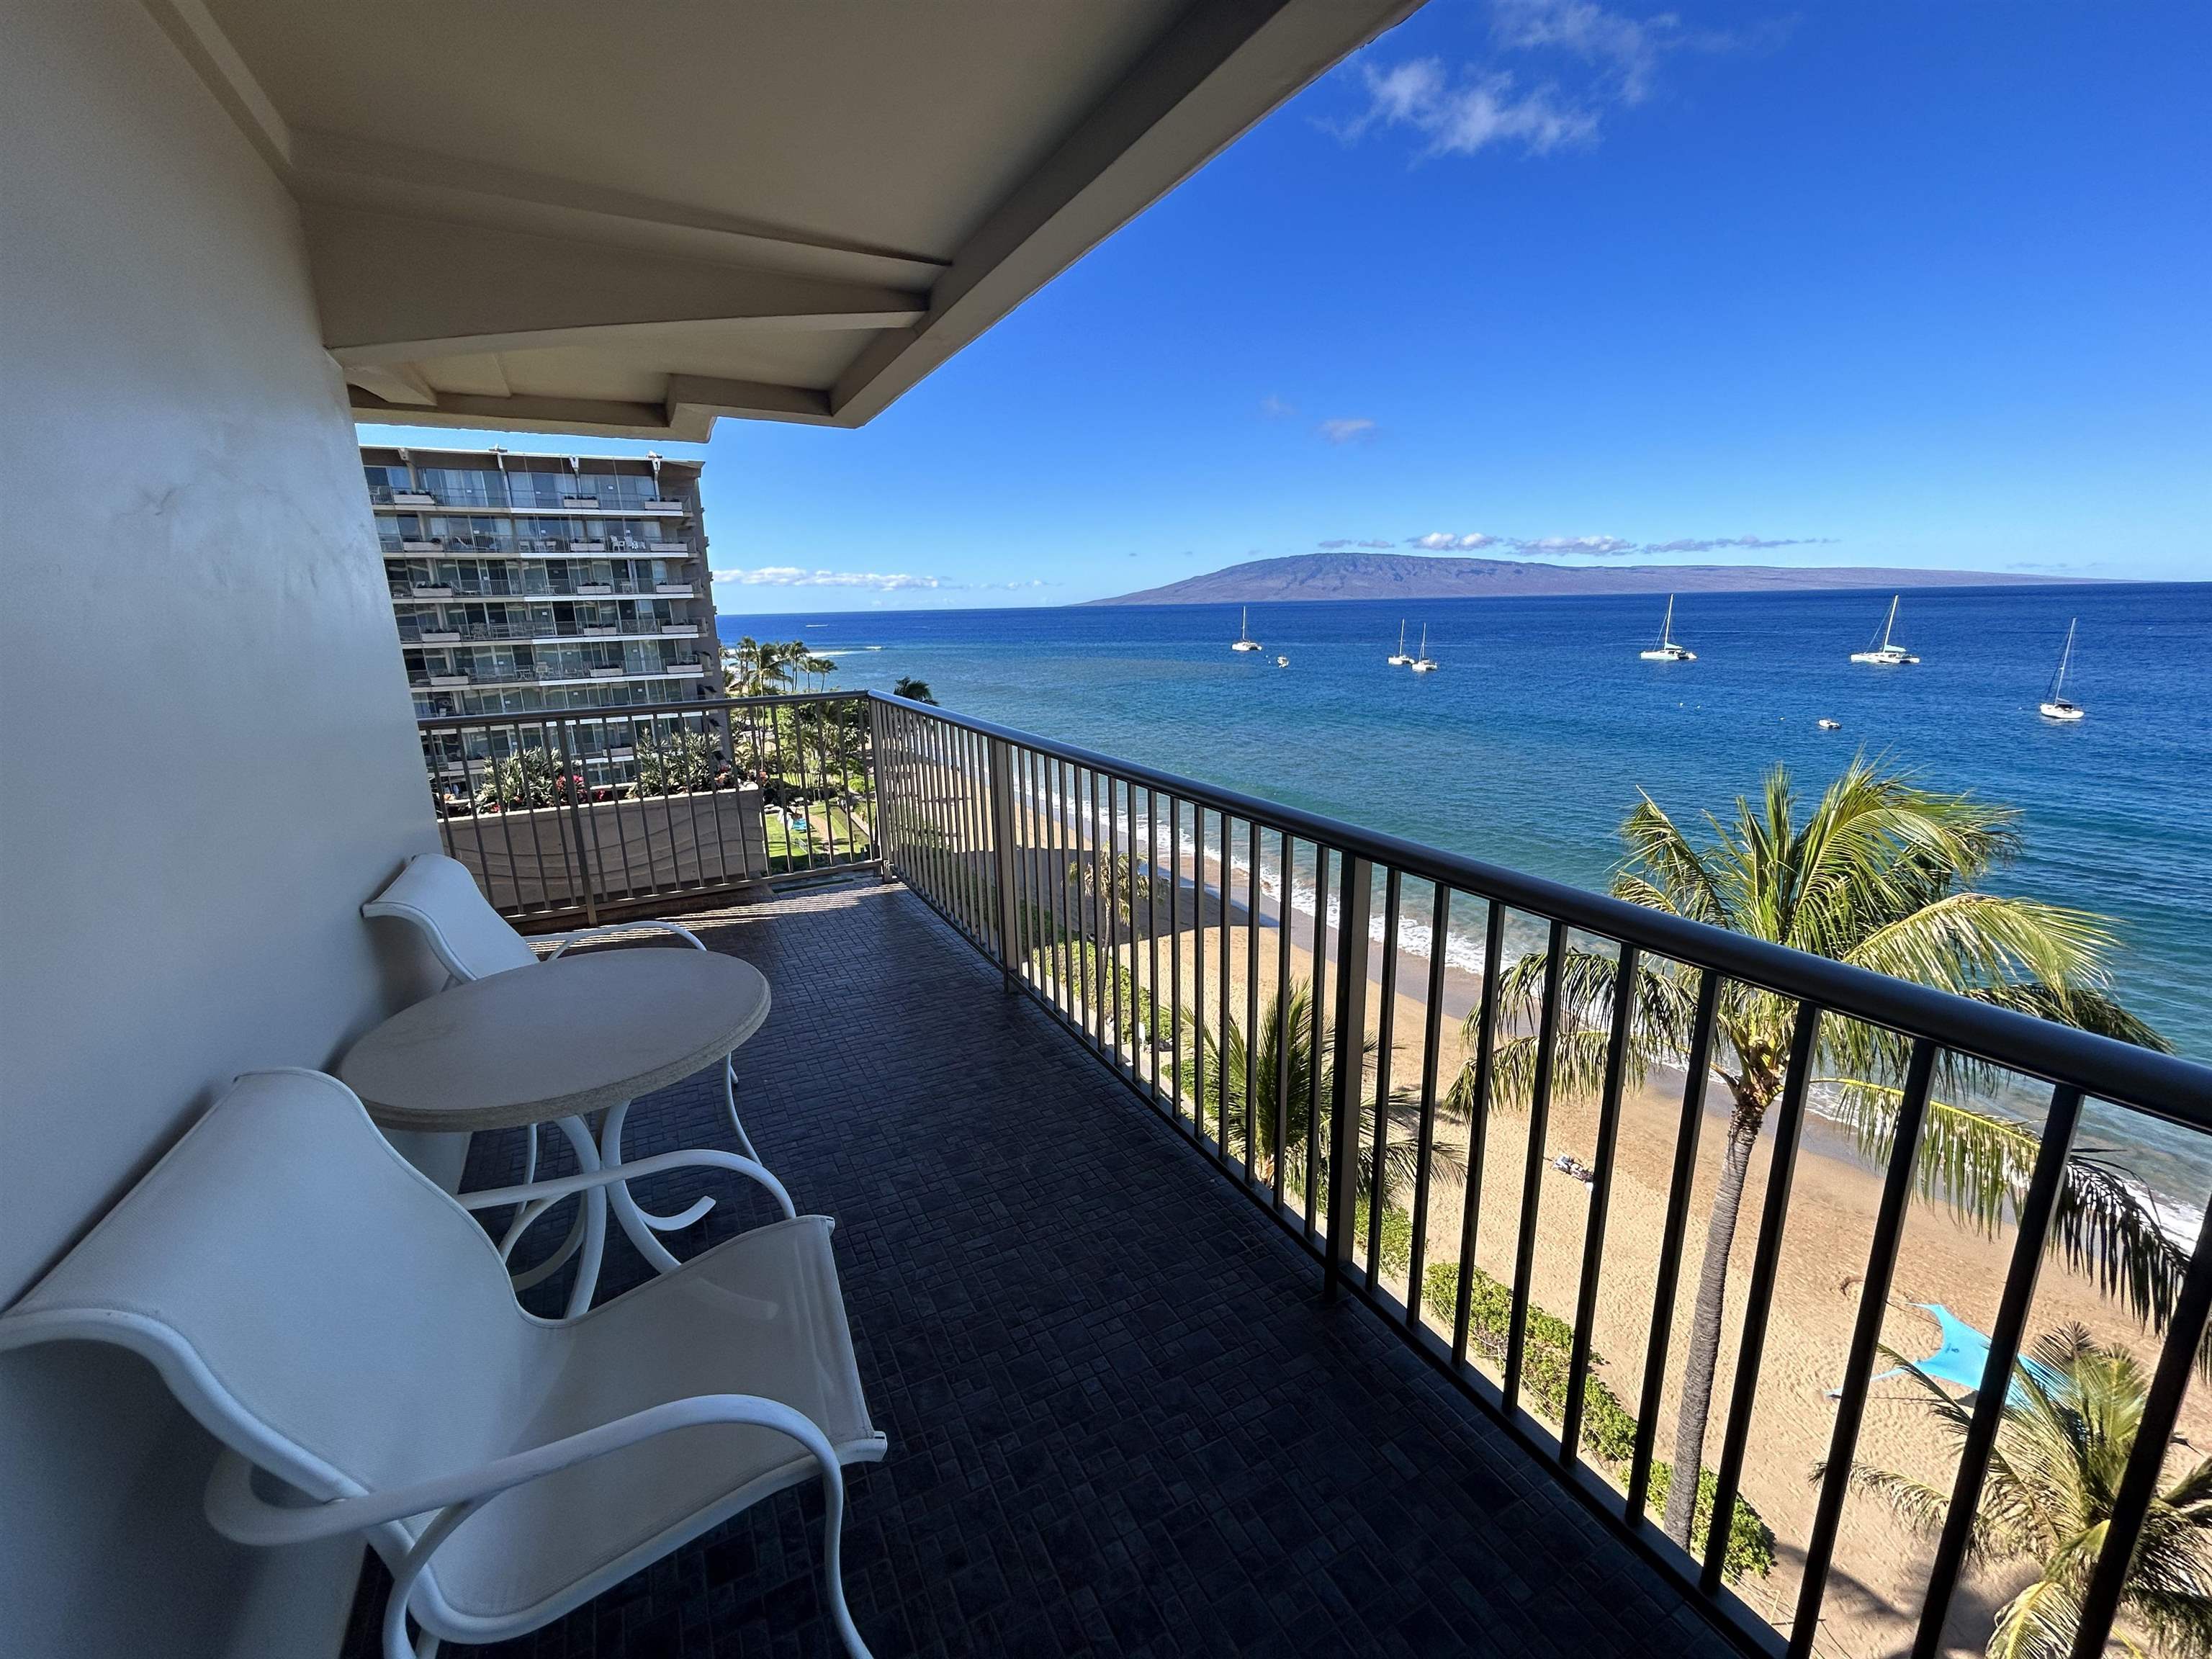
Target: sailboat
1667, 650
1423, 663
1888, 653
2054, 706
1244, 640
1402, 661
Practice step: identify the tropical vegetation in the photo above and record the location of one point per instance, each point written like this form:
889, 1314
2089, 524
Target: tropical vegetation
1884, 874
2063, 1441
1226, 1075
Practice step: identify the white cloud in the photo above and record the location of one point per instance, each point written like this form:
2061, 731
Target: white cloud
1442, 541
1627, 48
1577, 59
1701, 544
786, 575
1343, 430
1600, 545
1458, 120
1275, 408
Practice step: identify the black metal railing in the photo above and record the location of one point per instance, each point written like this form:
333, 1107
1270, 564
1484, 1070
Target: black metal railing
1146, 912
598, 812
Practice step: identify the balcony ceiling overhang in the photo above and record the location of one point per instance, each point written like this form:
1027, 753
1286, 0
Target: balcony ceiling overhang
568, 215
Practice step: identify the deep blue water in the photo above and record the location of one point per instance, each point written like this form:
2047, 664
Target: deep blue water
1531, 741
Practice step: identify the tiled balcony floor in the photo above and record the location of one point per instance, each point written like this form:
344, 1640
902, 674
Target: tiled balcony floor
1121, 1420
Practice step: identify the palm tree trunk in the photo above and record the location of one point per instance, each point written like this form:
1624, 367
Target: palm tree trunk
1703, 1355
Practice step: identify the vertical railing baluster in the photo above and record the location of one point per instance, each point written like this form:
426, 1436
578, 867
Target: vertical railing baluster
2139, 1481
1152, 937
1002, 856
1348, 1084
1251, 1000
1432, 1038
1221, 1082
1114, 925
1284, 911
2033, 1223
1673, 1230
1319, 1039
1531, 1173
1608, 1132
1759, 1298
1866, 1337
1198, 1053
1175, 947
586, 858
1386, 1037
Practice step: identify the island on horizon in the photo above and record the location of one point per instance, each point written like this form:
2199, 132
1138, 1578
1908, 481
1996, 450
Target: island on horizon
1425, 576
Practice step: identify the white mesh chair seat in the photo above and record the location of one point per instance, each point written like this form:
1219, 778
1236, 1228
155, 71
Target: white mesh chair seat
340, 1323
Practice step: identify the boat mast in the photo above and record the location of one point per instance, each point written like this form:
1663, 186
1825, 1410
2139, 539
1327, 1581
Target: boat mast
1890, 625
1667, 628
2058, 681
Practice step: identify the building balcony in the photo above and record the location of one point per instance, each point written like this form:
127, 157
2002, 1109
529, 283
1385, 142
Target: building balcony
668, 547
672, 590
1147, 1435
412, 498
1201, 1401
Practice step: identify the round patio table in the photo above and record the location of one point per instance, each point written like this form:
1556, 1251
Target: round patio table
550, 1043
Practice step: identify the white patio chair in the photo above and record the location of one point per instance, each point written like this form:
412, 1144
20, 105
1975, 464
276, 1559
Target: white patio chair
441, 899
341, 1324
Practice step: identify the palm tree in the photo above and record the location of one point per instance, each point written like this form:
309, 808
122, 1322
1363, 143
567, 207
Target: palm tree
912, 690
1880, 874
1225, 1060
2063, 1443
1122, 881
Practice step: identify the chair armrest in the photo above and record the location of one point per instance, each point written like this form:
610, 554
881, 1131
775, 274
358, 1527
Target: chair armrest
583, 934
239, 1513
492, 1198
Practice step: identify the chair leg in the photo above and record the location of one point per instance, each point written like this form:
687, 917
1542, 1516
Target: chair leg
833, 1536
730, 1098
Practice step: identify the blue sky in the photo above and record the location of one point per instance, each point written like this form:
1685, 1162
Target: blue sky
1886, 283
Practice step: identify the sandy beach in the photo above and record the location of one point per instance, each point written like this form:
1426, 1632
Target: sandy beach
1879, 1570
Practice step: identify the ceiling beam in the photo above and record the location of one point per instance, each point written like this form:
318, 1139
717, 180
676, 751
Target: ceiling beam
395, 289
693, 404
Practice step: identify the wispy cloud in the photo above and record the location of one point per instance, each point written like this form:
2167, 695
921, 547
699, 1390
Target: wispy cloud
1602, 547
1276, 407
1725, 542
1344, 430
1461, 117
1442, 541
1554, 68
788, 575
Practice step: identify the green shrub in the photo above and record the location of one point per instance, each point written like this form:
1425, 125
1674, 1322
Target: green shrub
1608, 1432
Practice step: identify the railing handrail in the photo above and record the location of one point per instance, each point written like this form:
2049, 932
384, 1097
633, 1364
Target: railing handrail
2105, 1068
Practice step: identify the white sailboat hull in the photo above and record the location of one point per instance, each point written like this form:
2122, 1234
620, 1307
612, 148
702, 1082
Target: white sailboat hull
1669, 654
1246, 644
2060, 711
1890, 659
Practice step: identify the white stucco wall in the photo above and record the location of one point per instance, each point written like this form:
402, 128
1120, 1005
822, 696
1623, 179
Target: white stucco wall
200, 780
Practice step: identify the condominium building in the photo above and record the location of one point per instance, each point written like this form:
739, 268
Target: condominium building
528, 584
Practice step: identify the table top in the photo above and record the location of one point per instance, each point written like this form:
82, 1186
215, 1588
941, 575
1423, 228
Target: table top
556, 1040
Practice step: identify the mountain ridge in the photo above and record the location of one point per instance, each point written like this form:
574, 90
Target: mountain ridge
1301, 576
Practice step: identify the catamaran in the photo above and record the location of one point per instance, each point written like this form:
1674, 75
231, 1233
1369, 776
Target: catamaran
2054, 706
1888, 653
1402, 661
1423, 663
1667, 650
1244, 640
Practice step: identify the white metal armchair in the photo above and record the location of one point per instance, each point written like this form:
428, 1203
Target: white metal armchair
438, 897
342, 1325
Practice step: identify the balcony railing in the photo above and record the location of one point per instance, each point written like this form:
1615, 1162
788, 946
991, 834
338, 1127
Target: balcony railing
1146, 912
1137, 907
687, 789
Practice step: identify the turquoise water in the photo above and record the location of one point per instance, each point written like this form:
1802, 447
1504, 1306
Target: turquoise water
1531, 739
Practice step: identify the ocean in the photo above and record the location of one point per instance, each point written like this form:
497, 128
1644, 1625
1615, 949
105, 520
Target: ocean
1541, 726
